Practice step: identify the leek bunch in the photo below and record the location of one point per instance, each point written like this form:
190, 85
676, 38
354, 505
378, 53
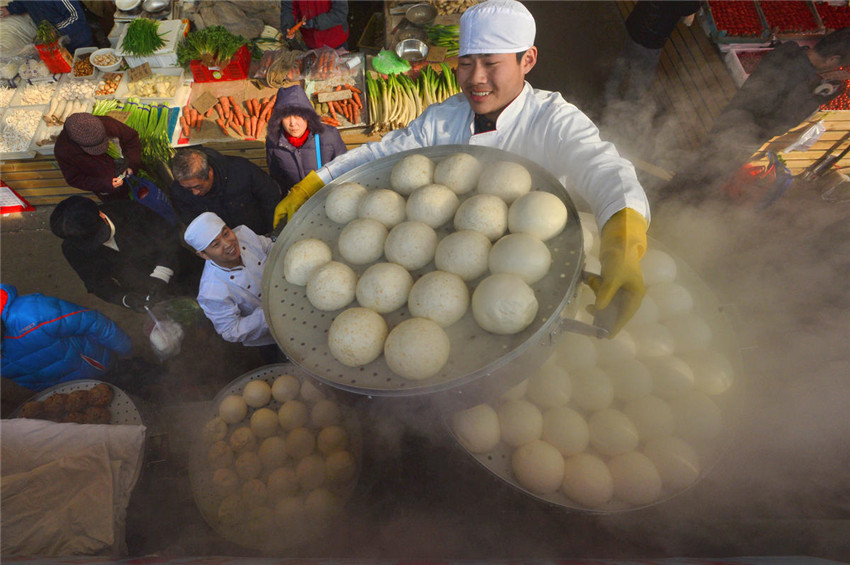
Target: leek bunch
396, 100
151, 121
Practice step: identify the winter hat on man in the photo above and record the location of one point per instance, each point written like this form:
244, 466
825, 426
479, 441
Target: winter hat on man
87, 131
496, 26
203, 230
77, 219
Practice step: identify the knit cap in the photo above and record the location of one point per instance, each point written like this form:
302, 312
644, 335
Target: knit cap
87, 131
496, 26
203, 230
77, 219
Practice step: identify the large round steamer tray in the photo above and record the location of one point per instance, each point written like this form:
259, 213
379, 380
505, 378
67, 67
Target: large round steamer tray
302, 330
121, 407
266, 532
730, 402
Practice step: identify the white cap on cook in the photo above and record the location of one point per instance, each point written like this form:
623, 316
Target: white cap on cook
496, 26
203, 230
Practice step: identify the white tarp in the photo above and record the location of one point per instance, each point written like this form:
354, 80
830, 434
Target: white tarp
65, 487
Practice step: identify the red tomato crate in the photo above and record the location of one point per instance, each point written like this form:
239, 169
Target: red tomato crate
833, 17
236, 69
56, 57
792, 19
736, 21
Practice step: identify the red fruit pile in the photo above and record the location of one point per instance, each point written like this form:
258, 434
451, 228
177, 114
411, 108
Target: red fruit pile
736, 17
841, 102
833, 17
788, 16
750, 59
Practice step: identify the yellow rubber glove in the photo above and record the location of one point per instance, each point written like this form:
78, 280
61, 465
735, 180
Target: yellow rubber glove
622, 244
298, 195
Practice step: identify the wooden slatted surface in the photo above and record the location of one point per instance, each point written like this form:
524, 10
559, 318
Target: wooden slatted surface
692, 83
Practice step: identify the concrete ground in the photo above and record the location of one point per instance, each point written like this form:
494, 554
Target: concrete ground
780, 489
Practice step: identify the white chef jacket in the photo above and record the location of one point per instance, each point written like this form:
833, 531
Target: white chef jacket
539, 125
232, 299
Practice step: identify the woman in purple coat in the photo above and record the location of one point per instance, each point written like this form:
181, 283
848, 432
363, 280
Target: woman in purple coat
297, 141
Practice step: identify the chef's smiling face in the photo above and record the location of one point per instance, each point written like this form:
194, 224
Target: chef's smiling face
224, 250
492, 81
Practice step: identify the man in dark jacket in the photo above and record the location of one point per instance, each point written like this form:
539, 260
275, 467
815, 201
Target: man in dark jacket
67, 17
81, 154
789, 84
124, 252
648, 27
234, 188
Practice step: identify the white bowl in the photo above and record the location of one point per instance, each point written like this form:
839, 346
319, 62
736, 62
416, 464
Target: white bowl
106, 68
127, 5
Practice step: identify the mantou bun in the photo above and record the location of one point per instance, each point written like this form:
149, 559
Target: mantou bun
412, 172
505, 179
302, 258
343, 200
459, 172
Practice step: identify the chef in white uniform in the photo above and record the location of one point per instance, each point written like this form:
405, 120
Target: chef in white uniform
498, 108
230, 293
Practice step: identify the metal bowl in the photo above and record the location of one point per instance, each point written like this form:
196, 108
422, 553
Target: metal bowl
421, 14
411, 49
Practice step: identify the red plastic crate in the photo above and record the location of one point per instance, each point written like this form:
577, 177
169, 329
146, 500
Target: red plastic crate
833, 17
236, 69
791, 17
56, 57
736, 21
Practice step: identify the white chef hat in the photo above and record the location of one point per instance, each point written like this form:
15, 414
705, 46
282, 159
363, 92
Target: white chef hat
203, 230
496, 26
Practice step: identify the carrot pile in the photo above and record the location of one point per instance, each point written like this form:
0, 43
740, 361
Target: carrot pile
348, 109
248, 122
325, 65
191, 118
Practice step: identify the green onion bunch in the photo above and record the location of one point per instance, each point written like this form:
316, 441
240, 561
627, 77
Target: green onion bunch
142, 38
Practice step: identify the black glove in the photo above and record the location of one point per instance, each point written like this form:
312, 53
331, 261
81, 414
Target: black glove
135, 301
158, 290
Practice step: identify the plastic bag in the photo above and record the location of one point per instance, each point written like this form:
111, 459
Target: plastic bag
320, 64
165, 336
807, 138
149, 194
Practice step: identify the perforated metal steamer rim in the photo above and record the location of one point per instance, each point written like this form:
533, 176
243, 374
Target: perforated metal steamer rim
276, 538
301, 330
123, 409
498, 461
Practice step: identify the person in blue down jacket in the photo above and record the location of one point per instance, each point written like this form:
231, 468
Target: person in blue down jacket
294, 132
47, 340
67, 16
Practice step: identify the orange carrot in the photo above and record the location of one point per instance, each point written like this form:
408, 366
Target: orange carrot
331, 109
237, 109
209, 112
353, 89
254, 107
184, 123
356, 99
222, 125
225, 105
253, 127
219, 110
